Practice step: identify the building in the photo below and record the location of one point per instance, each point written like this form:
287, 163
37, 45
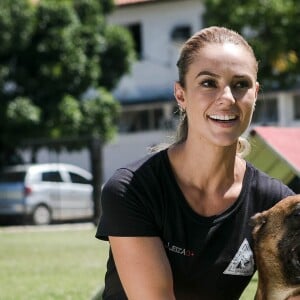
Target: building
159, 29
280, 108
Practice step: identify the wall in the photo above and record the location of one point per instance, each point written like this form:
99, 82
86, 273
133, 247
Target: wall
124, 149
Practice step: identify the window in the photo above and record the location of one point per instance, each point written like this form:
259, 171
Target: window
136, 32
51, 176
266, 111
181, 33
12, 176
76, 178
140, 120
297, 107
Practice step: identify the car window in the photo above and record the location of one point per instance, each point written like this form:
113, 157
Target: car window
76, 178
12, 176
51, 176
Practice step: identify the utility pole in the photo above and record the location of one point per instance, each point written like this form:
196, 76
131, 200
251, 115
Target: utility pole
95, 146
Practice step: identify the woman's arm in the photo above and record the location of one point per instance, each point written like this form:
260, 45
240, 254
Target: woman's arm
143, 267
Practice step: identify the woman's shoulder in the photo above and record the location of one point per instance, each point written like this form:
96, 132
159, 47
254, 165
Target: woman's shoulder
149, 161
143, 169
262, 178
266, 187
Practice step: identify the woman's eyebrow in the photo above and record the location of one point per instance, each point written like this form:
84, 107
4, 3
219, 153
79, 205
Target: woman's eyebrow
241, 76
206, 73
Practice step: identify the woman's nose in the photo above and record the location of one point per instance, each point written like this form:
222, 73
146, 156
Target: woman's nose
226, 95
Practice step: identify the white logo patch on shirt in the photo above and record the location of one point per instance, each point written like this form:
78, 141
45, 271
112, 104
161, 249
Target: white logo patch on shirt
243, 262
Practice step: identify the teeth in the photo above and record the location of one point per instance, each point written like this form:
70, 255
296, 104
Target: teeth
223, 118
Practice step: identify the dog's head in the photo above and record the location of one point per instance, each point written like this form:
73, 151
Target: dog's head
276, 235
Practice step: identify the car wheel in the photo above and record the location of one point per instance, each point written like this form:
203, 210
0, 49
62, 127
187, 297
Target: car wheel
41, 215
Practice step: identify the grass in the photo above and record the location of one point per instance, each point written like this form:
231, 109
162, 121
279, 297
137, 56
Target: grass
249, 293
56, 265
51, 265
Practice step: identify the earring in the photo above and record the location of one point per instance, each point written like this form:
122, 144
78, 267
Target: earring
182, 109
182, 113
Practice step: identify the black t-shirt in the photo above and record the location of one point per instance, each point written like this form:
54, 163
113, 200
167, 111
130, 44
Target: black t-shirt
211, 257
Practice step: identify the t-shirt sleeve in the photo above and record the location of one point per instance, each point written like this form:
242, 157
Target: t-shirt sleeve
285, 191
271, 191
126, 208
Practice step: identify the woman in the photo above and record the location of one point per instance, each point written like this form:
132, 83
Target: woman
178, 220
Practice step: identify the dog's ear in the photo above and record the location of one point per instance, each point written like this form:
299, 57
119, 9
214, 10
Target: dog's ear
258, 220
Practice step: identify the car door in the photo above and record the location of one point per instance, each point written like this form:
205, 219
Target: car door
51, 184
84, 194
76, 195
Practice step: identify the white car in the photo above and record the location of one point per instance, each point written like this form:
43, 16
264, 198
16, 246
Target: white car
44, 193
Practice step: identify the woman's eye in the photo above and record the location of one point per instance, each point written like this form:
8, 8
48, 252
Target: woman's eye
209, 83
242, 84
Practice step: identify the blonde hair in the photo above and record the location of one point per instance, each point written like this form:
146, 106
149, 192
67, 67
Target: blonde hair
209, 35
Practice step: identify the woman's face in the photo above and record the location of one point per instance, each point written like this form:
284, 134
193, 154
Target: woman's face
219, 94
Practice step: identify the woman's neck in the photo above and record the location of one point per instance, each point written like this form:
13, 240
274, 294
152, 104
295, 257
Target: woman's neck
206, 164
210, 177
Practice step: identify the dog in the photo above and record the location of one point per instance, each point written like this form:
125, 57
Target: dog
276, 235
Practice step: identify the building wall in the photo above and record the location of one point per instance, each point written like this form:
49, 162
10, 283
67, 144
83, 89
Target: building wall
154, 74
130, 147
119, 152
278, 109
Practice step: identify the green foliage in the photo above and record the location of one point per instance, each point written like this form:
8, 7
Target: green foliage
22, 119
52, 52
118, 41
54, 62
16, 29
107, 6
16, 26
92, 27
69, 118
271, 27
22, 111
102, 111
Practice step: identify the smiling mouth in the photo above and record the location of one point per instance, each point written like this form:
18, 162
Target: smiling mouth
223, 118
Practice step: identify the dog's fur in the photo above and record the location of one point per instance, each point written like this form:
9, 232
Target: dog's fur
276, 236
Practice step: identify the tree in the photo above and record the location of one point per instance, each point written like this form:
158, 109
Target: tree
271, 27
52, 53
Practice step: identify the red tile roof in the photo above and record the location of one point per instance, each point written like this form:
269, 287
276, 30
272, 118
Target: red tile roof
128, 2
283, 140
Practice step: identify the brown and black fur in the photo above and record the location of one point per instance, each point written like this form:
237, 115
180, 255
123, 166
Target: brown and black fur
276, 236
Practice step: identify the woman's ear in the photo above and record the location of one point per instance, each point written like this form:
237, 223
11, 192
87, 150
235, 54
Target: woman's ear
256, 89
179, 95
